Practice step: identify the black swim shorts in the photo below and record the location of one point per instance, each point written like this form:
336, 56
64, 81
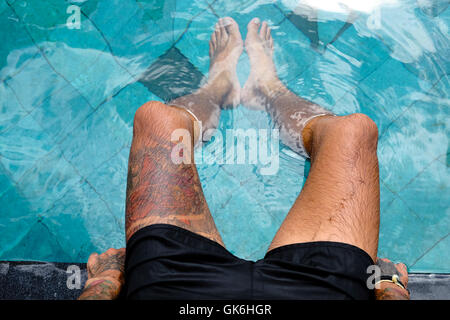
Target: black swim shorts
167, 262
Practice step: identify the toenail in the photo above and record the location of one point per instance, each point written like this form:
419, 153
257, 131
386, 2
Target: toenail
256, 20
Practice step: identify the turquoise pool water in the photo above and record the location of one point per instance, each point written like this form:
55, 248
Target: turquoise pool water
68, 96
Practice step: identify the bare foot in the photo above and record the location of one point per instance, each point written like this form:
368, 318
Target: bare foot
263, 80
225, 48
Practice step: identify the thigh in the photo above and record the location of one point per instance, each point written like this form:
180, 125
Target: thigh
340, 199
159, 190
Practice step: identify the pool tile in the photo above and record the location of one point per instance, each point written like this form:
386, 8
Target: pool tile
355, 100
435, 259
84, 211
433, 8
417, 41
213, 179
292, 51
186, 15
243, 232
423, 126
47, 248
394, 86
424, 194
110, 182
14, 156
65, 226
112, 122
50, 179
62, 112
402, 235
194, 43
332, 25
441, 89
103, 81
4, 5
171, 75
16, 214
13, 38
57, 42
35, 82
110, 17
134, 39
10, 109
364, 52
325, 89
162, 13
47, 181
387, 197
5, 181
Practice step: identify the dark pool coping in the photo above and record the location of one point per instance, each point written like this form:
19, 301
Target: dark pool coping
31, 280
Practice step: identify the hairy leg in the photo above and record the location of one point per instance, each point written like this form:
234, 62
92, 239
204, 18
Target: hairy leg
340, 200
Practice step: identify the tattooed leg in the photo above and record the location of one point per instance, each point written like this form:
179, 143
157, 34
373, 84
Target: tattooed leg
159, 190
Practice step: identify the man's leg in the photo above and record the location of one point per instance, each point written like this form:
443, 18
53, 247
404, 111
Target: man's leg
159, 190
340, 200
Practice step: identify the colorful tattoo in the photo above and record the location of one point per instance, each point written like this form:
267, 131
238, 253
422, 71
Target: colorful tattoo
160, 191
102, 289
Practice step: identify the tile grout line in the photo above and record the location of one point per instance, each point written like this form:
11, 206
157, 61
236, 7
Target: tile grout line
428, 250
46, 59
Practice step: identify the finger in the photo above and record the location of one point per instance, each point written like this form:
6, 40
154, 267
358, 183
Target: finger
92, 258
91, 263
403, 270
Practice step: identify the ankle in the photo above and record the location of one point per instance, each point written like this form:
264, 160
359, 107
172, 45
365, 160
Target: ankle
272, 89
218, 87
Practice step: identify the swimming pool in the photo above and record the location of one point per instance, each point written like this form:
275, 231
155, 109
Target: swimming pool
68, 96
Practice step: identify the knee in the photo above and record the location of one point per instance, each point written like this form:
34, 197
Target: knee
155, 115
150, 112
358, 129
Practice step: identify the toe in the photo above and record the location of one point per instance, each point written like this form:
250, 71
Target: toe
221, 33
231, 27
263, 30
213, 41
268, 37
253, 27
268, 34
